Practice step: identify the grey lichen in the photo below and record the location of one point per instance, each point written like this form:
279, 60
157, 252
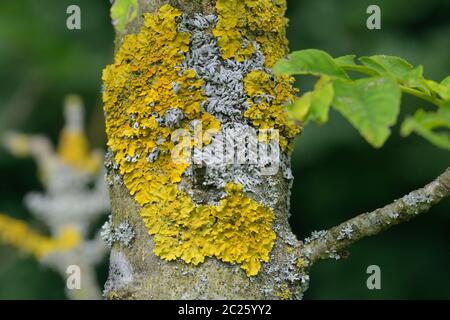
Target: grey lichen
346, 232
414, 199
112, 167
123, 233
281, 274
176, 87
173, 118
120, 273
68, 200
160, 120
153, 155
393, 215
333, 254
203, 57
316, 235
235, 154
224, 79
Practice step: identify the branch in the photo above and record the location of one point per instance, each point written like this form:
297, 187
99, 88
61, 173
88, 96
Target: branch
327, 244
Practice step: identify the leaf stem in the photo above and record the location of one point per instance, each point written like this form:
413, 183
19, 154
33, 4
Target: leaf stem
420, 94
360, 69
405, 89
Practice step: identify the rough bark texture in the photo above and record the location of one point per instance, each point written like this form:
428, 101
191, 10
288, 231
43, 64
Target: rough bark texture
150, 277
135, 271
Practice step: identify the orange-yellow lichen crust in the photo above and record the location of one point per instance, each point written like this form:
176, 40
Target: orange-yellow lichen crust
140, 83
238, 229
243, 21
18, 234
73, 145
271, 113
73, 150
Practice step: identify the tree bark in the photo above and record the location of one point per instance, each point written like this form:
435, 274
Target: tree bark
137, 273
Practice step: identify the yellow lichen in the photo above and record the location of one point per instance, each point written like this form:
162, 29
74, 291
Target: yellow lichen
243, 21
18, 144
283, 292
146, 78
301, 263
18, 234
270, 113
213, 125
238, 229
73, 150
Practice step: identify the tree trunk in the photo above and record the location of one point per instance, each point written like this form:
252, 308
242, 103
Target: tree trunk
246, 249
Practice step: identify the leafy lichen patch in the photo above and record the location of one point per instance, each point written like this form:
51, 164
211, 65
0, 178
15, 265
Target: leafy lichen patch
242, 22
157, 86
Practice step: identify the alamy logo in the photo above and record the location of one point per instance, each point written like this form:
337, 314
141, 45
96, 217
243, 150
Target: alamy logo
374, 280
73, 281
374, 20
73, 21
233, 146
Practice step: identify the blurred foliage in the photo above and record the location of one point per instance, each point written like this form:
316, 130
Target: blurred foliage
337, 174
122, 12
370, 104
41, 62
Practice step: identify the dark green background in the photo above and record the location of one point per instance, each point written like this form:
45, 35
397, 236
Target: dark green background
337, 174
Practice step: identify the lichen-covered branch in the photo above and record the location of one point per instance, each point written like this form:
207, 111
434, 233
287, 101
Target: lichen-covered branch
328, 244
74, 196
135, 18
212, 222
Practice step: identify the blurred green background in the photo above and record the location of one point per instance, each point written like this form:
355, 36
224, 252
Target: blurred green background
337, 174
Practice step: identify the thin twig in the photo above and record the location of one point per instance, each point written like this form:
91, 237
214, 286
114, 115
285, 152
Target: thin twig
338, 238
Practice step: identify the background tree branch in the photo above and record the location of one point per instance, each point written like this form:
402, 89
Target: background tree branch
328, 244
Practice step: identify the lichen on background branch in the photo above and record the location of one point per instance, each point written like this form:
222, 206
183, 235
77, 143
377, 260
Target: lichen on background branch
74, 197
329, 244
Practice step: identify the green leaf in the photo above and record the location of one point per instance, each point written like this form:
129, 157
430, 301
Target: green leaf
310, 61
371, 105
373, 65
446, 82
395, 66
440, 89
322, 98
300, 108
425, 124
123, 12
348, 60
415, 79
314, 105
